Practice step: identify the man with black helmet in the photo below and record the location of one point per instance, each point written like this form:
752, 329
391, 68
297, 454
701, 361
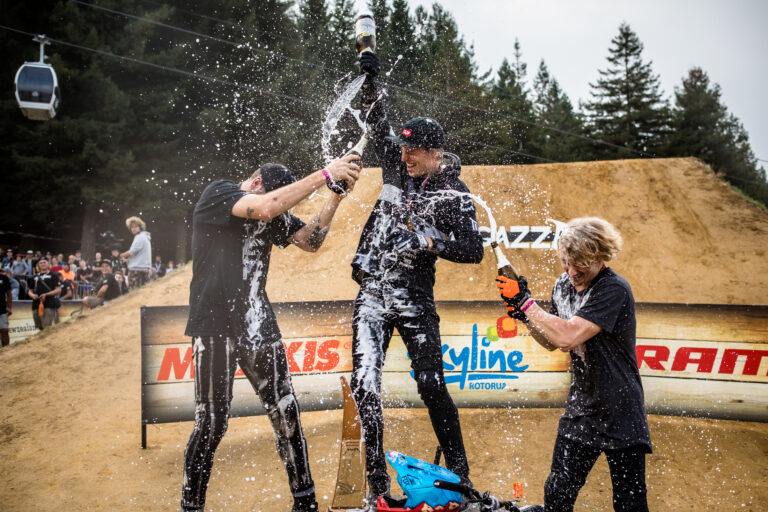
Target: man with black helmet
231, 320
423, 212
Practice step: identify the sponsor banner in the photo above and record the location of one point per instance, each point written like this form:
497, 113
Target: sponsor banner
524, 237
21, 324
694, 359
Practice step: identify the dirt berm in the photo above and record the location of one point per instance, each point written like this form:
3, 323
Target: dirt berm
70, 428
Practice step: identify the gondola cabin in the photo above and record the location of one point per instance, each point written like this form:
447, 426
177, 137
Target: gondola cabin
37, 88
37, 91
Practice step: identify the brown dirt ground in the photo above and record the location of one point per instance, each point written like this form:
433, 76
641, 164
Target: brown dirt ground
70, 428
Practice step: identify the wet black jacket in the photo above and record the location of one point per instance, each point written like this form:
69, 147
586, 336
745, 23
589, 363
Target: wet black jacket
438, 207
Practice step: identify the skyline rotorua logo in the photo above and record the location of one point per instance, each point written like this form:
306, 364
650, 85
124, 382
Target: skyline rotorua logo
525, 237
483, 367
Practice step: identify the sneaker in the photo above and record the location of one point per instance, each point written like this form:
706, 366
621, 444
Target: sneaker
531, 508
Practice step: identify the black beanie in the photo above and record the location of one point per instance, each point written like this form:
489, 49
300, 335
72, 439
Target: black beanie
274, 176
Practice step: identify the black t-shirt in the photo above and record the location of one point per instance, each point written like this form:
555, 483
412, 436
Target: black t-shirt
5, 287
44, 283
66, 285
261, 324
605, 406
217, 291
113, 287
84, 274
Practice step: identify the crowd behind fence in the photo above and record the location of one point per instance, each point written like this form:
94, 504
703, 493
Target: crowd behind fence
79, 278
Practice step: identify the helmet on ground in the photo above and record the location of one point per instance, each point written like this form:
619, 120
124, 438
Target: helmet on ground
417, 478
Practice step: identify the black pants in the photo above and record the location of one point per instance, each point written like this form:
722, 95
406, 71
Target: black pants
571, 463
378, 310
267, 370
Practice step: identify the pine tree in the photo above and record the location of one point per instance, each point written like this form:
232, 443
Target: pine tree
342, 35
554, 110
380, 12
703, 127
627, 108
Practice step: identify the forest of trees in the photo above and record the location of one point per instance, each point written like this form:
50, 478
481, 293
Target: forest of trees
160, 96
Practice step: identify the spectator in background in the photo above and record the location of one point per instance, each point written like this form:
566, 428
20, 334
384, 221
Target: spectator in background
6, 306
121, 280
71, 261
84, 272
14, 283
170, 267
29, 258
78, 257
158, 268
117, 263
7, 258
67, 293
83, 276
19, 267
96, 266
68, 272
107, 289
44, 288
55, 265
139, 256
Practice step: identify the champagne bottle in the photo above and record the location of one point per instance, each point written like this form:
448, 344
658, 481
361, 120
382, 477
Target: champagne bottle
503, 266
365, 34
356, 150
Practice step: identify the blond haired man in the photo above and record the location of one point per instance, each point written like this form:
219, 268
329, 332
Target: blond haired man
139, 256
593, 317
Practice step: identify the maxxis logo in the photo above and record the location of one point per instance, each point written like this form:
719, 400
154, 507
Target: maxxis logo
525, 237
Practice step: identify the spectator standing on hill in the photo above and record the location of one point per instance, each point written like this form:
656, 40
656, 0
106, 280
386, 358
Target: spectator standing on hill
43, 290
139, 257
592, 317
107, 288
6, 306
170, 268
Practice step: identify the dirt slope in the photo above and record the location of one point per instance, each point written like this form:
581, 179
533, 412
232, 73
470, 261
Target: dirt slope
70, 428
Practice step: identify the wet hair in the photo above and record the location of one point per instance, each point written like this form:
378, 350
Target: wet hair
586, 240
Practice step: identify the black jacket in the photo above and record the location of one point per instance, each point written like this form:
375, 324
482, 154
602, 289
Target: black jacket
437, 207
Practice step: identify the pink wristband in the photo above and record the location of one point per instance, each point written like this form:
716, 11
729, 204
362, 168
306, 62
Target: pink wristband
527, 305
328, 179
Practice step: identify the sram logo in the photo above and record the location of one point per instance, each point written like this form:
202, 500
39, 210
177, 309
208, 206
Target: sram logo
303, 357
524, 237
696, 360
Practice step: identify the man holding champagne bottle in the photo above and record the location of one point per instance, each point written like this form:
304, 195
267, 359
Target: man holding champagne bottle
231, 320
593, 317
423, 212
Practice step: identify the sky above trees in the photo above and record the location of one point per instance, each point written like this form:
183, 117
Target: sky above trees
727, 39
